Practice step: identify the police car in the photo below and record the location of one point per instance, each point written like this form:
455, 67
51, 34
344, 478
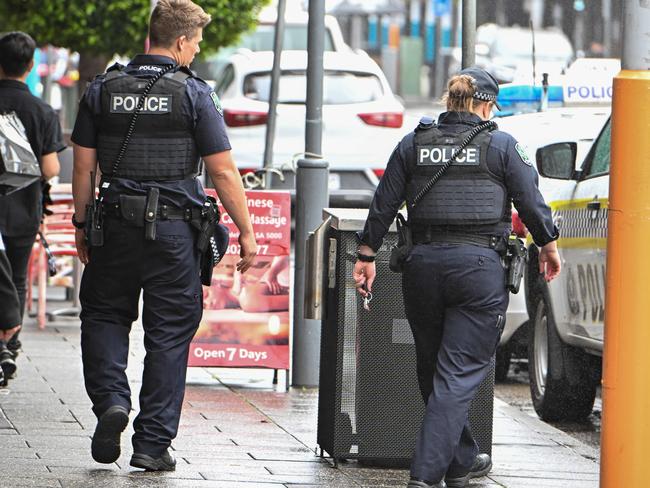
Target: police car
362, 120
580, 125
564, 334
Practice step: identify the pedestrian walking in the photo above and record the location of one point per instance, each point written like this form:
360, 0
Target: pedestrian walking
147, 125
454, 281
21, 211
10, 317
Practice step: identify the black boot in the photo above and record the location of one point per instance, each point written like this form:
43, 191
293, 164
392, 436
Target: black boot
481, 467
105, 446
7, 363
165, 462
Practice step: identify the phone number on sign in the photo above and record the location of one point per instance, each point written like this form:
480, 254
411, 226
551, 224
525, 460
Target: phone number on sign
262, 249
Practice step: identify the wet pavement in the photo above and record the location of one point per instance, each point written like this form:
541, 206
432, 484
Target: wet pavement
237, 430
516, 392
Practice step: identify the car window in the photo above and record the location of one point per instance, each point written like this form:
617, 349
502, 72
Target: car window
600, 153
224, 80
295, 38
339, 87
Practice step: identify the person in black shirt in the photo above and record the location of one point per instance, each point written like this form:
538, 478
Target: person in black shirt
454, 283
152, 205
21, 211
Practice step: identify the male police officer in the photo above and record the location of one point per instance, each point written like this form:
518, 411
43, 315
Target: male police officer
454, 282
151, 206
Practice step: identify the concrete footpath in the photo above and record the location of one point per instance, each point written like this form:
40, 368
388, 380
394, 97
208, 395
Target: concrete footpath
237, 430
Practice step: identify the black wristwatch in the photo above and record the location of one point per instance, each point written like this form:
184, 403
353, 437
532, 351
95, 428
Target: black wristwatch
364, 258
77, 224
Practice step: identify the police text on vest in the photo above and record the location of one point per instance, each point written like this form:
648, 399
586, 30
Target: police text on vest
124, 103
438, 155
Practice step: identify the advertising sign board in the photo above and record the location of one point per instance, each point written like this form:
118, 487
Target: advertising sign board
246, 316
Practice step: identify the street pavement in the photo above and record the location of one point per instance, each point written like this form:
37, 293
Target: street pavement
237, 430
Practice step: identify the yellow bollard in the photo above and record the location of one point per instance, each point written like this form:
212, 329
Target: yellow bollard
625, 439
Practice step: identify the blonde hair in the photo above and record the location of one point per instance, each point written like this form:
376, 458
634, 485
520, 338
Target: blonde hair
460, 94
172, 19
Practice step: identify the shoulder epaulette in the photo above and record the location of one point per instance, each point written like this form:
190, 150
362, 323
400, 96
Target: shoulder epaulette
426, 122
115, 66
181, 74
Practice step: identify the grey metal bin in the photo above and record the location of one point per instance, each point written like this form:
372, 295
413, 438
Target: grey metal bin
369, 406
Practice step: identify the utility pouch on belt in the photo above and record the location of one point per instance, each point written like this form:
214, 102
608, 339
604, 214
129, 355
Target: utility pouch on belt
400, 252
94, 218
515, 259
151, 210
132, 209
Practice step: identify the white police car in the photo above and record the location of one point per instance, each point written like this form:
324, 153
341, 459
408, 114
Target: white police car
580, 125
567, 315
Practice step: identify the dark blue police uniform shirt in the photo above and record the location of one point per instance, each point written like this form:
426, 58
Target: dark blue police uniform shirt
209, 134
520, 178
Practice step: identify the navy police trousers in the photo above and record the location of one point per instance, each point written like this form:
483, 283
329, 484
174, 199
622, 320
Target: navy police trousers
167, 272
455, 301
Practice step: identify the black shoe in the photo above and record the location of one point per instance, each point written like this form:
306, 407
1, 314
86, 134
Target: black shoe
105, 446
3, 381
14, 345
481, 467
165, 462
7, 363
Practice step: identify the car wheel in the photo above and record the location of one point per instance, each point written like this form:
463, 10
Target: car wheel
562, 382
502, 364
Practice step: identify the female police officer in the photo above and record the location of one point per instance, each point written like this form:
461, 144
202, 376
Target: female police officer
453, 283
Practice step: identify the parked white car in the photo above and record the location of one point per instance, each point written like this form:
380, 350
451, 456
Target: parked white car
362, 120
580, 125
261, 38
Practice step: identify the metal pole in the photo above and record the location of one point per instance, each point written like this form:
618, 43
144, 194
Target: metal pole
311, 197
469, 33
608, 33
626, 363
273, 99
438, 66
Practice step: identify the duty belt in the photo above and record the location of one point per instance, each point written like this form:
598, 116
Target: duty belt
165, 212
431, 236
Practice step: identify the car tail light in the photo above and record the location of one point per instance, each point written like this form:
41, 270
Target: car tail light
518, 226
383, 119
379, 172
243, 118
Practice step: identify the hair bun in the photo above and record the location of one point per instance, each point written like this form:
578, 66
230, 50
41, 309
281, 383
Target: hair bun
461, 86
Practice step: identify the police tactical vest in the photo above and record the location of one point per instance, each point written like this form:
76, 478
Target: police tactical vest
468, 197
162, 145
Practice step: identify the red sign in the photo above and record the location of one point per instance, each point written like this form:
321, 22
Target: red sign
246, 316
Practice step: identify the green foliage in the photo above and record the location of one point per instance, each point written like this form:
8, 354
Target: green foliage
106, 27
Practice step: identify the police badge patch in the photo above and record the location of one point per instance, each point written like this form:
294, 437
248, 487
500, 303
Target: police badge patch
523, 155
217, 103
